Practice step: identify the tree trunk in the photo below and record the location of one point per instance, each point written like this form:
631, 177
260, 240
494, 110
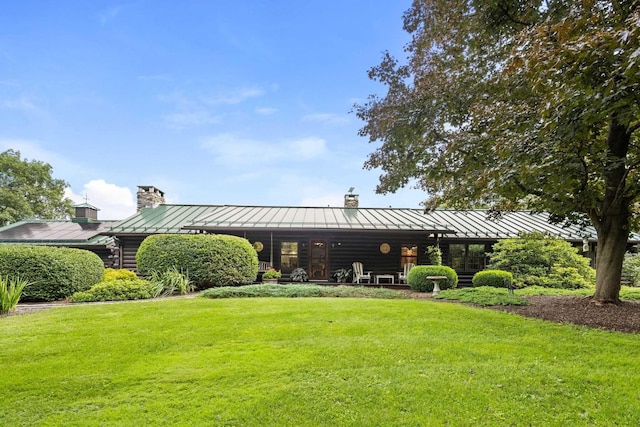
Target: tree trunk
613, 221
612, 244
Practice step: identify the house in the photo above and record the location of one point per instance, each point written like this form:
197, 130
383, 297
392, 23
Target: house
82, 231
324, 239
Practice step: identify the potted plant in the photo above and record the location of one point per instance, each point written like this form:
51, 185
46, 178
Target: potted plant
342, 274
271, 276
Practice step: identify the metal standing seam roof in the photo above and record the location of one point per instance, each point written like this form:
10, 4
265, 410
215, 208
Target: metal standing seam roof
471, 224
56, 232
190, 218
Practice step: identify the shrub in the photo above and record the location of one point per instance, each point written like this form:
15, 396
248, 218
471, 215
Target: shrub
538, 259
434, 255
417, 278
55, 273
495, 278
171, 281
211, 260
631, 269
10, 291
117, 273
116, 290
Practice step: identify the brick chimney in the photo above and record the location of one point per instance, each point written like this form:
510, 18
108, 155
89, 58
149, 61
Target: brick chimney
350, 199
149, 197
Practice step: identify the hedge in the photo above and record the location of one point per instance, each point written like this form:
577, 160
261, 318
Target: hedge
417, 278
495, 278
209, 259
55, 273
116, 290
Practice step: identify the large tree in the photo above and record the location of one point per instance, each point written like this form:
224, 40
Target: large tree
27, 190
518, 104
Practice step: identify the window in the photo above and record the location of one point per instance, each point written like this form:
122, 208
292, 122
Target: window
408, 254
288, 256
467, 257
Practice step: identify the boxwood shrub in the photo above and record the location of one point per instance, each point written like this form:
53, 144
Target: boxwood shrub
55, 273
495, 278
417, 278
116, 290
209, 259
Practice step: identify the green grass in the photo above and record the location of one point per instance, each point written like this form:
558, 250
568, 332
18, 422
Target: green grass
310, 362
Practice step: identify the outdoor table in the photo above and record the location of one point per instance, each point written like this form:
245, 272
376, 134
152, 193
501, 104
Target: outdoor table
390, 277
436, 283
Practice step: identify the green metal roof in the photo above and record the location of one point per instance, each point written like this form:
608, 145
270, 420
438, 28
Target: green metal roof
56, 232
464, 224
190, 218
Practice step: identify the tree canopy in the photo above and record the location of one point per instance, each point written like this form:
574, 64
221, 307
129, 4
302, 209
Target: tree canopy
27, 190
517, 104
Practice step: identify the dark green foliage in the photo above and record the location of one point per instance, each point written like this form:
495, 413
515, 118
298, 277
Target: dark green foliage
540, 259
27, 190
299, 275
211, 260
116, 290
55, 273
495, 278
417, 278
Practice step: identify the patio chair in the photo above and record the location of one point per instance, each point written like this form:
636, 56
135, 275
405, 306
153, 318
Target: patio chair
263, 266
402, 276
359, 274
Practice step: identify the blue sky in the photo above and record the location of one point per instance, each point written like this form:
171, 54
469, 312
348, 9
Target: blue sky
213, 102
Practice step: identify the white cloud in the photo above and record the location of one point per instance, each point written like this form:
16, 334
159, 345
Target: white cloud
233, 97
109, 14
266, 111
308, 148
330, 118
229, 148
27, 106
181, 121
114, 202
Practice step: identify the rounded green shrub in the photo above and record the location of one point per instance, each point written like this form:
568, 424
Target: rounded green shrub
417, 278
538, 259
494, 278
116, 290
209, 259
117, 273
54, 273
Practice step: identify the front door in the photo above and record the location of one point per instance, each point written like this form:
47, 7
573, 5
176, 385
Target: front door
318, 261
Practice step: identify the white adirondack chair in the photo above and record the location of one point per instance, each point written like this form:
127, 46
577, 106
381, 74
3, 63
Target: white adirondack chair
359, 273
402, 276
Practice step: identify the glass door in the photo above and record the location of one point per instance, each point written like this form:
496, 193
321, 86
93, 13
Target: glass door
318, 260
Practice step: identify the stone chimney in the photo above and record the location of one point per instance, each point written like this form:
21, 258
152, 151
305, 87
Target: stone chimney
350, 199
149, 197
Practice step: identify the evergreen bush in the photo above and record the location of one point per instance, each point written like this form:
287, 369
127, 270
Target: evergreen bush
417, 278
54, 273
116, 290
540, 259
494, 278
210, 259
117, 273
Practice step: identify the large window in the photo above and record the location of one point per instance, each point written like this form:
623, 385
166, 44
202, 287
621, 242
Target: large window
467, 256
408, 254
288, 256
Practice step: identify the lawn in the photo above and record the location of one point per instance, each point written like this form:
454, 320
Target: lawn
310, 361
